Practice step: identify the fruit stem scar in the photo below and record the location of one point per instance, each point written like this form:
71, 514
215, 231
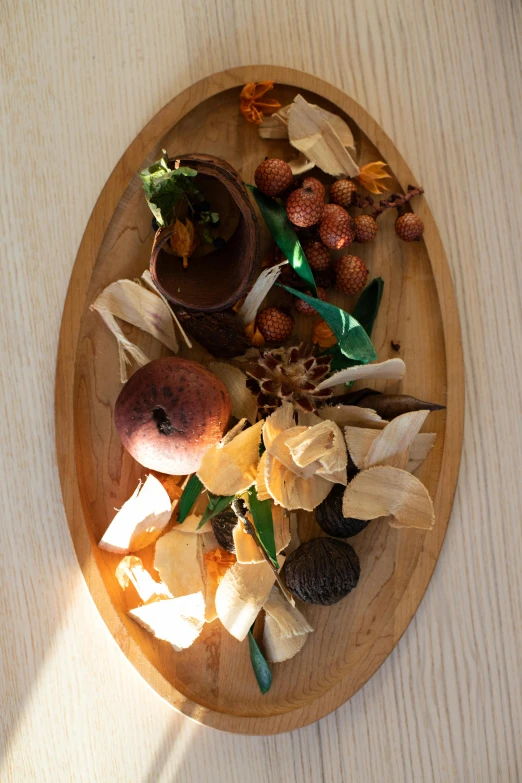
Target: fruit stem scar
162, 421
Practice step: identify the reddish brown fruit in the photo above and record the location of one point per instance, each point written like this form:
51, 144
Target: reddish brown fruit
306, 309
350, 274
365, 228
342, 192
316, 186
337, 228
303, 207
409, 227
273, 176
317, 255
275, 325
170, 413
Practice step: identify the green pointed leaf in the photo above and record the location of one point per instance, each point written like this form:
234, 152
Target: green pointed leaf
365, 311
284, 234
192, 489
352, 340
259, 664
261, 511
216, 504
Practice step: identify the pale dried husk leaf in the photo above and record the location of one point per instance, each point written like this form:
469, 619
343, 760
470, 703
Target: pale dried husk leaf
322, 444
383, 491
141, 519
261, 489
246, 549
248, 310
359, 441
241, 595
130, 571
273, 127
280, 451
148, 281
291, 491
352, 416
281, 522
290, 620
140, 307
278, 648
301, 164
244, 403
276, 126
391, 369
392, 444
305, 419
278, 421
295, 541
176, 620
230, 468
311, 132
420, 448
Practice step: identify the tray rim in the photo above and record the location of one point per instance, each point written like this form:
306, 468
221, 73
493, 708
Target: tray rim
85, 261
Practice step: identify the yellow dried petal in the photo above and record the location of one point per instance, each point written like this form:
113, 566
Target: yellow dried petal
262, 491
392, 444
231, 468
290, 620
353, 416
130, 571
278, 421
358, 441
387, 491
247, 551
241, 595
291, 491
420, 448
277, 647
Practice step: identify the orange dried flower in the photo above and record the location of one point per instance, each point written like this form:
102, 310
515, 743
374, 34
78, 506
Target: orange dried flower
370, 174
183, 240
251, 107
323, 335
218, 561
254, 335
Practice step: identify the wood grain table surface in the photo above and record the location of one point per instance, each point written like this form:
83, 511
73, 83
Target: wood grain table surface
78, 82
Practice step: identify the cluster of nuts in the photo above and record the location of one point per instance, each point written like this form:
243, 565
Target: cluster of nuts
329, 227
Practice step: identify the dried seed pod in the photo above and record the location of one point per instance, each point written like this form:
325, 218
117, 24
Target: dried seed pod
330, 518
222, 334
322, 571
388, 406
223, 525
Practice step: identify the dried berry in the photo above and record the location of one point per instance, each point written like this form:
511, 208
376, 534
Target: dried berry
317, 255
342, 192
316, 186
274, 324
223, 525
365, 228
350, 274
306, 309
409, 227
329, 516
304, 207
337, 227
273, 176
322, 571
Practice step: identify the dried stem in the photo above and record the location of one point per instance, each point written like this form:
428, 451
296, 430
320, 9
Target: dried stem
397, 200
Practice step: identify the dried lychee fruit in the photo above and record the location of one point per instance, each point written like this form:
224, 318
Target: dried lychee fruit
409, 227
306, 309
337, 227
317, 255
350, 274
316, 186
304, 207
365, 228
342, 191
274, 324
273, 176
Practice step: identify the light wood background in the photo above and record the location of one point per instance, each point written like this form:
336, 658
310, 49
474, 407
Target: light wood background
79, 80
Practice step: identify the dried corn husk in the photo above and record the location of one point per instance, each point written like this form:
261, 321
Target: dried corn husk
140, 307
257, 293
420, 448
241, 595
278, 421
292, 491
387, 491
358, 441
289, 618
392, 444
277, 647
276, 126
392, 369
311, 132
301, 164
323, 443
130, 571
147, 280
353, 416
230, 467
244, 403
246, 548
141, 519
176, 620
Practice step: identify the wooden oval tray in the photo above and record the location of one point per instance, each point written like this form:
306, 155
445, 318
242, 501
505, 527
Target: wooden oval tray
212, 681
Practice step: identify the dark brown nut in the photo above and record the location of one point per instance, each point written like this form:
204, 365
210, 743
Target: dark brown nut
329, 516
223, 525
322, 571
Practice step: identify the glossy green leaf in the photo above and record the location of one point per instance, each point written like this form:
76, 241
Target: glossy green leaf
365, 312
192, 489
261, 511
259, 664
216, 504
284, 234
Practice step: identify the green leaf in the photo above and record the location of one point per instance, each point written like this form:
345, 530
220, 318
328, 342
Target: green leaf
365, 311
352, 340
283, 232
261, 511
216, 504
192, 489
164, 187
259, 664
